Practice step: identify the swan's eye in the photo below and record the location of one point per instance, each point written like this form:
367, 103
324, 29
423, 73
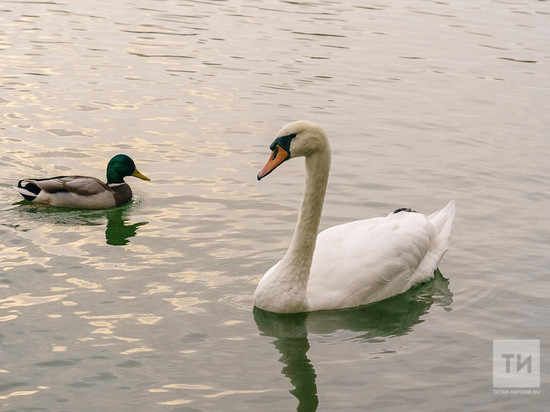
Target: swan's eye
283, 142
275, 151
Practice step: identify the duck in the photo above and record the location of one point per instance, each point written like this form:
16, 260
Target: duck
84, 192
352, 264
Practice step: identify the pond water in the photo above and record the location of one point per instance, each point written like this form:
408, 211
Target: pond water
149, 306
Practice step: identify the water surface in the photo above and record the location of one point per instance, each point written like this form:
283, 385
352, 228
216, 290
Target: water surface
149, 306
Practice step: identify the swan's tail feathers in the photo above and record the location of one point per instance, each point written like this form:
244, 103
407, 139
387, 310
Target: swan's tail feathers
443, 222
444, 217
27, 189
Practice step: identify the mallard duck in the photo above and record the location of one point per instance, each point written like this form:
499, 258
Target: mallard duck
83, 191
352, 264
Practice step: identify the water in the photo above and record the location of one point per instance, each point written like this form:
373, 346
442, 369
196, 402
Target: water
149, 306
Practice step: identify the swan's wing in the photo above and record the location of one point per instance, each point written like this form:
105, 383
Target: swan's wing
369, 260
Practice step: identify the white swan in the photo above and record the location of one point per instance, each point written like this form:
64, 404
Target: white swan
351, 264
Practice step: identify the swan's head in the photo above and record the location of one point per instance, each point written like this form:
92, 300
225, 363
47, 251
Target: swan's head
296, 139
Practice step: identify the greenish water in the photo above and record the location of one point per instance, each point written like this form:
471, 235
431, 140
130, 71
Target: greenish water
149, 306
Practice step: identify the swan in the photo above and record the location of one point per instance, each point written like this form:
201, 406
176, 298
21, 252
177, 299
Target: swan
83, 191
352, 264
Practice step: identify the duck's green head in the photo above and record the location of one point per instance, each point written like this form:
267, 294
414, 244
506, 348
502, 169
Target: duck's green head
121, 166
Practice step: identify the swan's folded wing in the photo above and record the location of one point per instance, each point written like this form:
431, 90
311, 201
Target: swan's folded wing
366, 261
80, 185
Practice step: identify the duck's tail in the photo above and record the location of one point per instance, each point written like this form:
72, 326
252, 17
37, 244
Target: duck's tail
27, 189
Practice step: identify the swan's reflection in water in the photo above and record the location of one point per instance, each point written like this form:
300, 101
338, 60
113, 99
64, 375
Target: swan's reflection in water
118, 230
395, 316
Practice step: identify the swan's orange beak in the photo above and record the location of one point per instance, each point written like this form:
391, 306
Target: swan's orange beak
278, 156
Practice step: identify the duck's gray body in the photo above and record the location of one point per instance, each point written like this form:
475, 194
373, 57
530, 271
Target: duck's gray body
83, 191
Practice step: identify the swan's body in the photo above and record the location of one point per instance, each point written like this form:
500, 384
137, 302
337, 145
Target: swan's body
83, 191
351, 264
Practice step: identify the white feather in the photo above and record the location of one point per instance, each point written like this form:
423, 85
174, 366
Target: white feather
351, 264
24, 191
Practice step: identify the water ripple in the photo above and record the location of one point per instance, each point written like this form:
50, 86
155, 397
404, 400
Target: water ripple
423, 102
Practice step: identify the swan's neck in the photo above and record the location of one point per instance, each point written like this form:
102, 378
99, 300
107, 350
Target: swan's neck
285, 288
302, 246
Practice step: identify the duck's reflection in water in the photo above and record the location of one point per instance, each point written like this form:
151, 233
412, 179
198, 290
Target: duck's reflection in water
118, 231
395, 316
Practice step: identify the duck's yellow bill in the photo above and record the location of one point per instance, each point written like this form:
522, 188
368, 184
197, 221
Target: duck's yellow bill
278, 156
140, 176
